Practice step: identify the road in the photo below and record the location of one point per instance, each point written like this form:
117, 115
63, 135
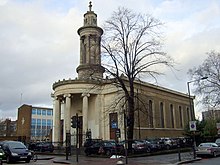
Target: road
167, 159
207, 161
157, 159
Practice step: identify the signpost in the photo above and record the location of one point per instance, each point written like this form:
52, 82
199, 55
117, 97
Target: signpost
192, 127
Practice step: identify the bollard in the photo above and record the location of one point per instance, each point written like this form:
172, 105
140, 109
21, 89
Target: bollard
120, 162
1, 161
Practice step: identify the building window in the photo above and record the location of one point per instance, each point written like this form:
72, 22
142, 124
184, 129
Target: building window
161, 115
187, 111
49, 123
34, 111
44, 112
33, 122
171, 116
49, 112
181, 119
39, 112
150, 114
38, 123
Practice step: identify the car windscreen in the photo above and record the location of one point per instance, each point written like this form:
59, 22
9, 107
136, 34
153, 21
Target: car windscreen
16, 145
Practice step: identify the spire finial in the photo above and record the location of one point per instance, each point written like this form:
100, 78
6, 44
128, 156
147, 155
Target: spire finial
90, 6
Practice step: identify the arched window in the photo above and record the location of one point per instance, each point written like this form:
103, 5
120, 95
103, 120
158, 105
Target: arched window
161, 115
150, 115
171, 116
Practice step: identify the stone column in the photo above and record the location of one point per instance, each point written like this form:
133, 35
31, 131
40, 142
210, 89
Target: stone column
85, 108
67, 113
56, 120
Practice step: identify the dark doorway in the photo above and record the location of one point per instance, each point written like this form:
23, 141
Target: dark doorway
113, 123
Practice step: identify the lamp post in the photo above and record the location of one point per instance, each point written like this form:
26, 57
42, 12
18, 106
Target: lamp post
190, 108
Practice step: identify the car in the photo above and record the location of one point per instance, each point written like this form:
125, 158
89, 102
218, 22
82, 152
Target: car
138, 146
2, 154
208, 149
41, 146
104, 147
16, 151
153, 144
217, 141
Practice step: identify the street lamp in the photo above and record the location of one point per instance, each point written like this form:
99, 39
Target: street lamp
190, 109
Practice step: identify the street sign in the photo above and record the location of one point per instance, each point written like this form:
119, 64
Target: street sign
192, 125
118, 133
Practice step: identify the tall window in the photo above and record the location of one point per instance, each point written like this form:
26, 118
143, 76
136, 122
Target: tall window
39, 112
44, 112
49, 112
180, 115
34, 111
187, 111
161, 115
150, 115
171, 116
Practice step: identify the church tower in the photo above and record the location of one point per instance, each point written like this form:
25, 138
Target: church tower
90, 47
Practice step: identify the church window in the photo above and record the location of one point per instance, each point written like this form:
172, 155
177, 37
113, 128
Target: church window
150, 115
181, 119
161, 115
171, 116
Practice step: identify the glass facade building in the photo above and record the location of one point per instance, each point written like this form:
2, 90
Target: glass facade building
41, 123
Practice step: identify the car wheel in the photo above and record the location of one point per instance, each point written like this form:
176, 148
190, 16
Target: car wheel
8, 159
214, 154
148, 149
167, 147
87, 153
27, 160
108, 153
132, 151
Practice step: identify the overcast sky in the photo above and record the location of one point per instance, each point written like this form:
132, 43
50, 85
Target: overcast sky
39, 43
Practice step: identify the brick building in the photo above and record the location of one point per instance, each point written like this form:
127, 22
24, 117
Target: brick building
7, 128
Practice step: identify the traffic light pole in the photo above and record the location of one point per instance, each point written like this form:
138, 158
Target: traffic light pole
77, 138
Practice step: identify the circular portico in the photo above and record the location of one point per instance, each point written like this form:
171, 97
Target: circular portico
77, 96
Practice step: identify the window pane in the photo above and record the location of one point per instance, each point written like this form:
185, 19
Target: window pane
34, 111
39, 112
49, 113
44, 112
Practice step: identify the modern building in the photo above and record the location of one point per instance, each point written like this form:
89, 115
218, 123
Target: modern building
34, 123
161, 113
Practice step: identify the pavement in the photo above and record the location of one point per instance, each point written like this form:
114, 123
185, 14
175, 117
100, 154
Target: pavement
153, 160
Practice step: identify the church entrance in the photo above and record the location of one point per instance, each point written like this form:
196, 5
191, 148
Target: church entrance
113, 123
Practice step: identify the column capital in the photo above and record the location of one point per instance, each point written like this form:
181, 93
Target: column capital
67, 95
85, 94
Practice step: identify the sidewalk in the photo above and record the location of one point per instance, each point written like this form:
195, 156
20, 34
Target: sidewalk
153, 160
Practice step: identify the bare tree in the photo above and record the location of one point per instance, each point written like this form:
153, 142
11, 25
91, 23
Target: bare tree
132, 48
209, 89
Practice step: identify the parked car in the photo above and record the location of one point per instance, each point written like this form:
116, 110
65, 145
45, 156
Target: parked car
211, 149
41, 146
2, 154
168, 143
217, 141
90, 142
104, 147
138, 146
16, 151
153, 144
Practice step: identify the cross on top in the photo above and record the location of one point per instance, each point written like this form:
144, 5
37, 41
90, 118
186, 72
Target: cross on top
90, 6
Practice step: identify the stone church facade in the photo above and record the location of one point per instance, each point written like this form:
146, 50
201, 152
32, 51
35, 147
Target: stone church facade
161, 113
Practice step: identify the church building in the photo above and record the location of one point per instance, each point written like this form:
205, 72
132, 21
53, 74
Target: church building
162, 113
